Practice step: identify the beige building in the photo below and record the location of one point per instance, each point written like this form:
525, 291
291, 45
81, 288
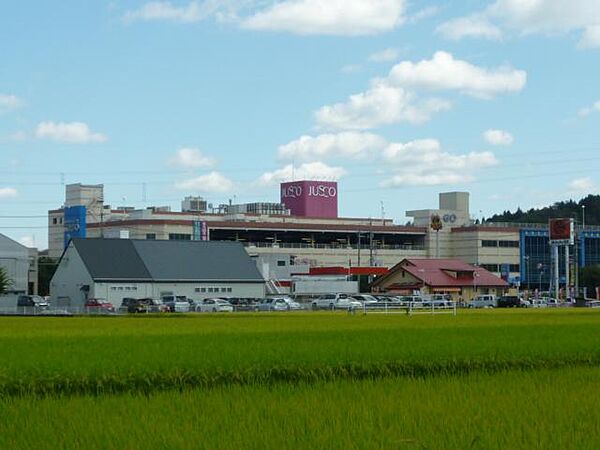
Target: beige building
270, 230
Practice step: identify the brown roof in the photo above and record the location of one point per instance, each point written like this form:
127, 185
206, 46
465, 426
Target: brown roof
438, 273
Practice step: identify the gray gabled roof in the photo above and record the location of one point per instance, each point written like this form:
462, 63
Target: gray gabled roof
149, 260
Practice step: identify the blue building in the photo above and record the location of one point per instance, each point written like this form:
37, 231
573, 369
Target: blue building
536, 258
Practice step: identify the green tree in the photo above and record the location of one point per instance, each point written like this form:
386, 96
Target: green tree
589, 277
5, 281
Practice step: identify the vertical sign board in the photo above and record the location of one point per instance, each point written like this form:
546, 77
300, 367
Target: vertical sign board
75, 223
199, 230
311, 198
562, 231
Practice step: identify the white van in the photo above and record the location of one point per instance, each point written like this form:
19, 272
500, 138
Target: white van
484, 301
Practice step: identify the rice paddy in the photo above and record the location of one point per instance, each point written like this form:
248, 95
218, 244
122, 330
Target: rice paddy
485, 379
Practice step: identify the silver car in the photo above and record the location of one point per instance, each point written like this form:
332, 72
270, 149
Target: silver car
213, 305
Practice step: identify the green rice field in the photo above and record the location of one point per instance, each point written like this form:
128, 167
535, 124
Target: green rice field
482, 379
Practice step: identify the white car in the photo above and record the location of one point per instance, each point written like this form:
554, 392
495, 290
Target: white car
213, 305
550, 302
292, 304
366, 299
336, 301
538, 303
273, 304
176, 303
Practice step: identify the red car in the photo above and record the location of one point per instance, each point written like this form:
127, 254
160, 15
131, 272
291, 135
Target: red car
98, 305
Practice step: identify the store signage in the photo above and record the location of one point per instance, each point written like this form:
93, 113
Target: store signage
75, 223
562, 231
311, 198
319, 190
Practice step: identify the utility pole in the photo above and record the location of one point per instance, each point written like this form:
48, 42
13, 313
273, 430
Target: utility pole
358, 265
371, 243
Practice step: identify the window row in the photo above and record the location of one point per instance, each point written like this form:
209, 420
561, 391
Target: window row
502, 244
123, 288
498, 267
214, 290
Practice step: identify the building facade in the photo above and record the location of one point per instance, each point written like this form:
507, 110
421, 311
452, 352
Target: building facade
519, 253
114, 269
21, 266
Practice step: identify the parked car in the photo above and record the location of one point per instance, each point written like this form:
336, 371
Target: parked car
366, 299
176, 303
538, 303
292, 304
32, 301
510, 301
439, 302
243, 304
213, 305
550, 302
413, 301
273, 304
484, 301
98, 306
336, 301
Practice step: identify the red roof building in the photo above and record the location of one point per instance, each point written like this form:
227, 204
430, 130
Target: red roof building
443, 276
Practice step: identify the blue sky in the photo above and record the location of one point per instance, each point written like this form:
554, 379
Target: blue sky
397, 100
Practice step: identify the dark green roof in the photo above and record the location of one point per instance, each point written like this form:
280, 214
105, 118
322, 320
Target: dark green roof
149, 260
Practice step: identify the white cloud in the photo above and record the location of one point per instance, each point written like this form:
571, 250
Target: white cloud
498, 137
380, 105
444, 72
396, 98
159, 10
307, 171
8, 192
191, 158
27, 241
10, 102
584, 112
72, 132
582, 186
213, 182
476, 25
425, 13
327, 146
387, 55
422, 162
330, 17
591, 37
545, 17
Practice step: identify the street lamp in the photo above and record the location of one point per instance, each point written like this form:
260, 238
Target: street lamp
583, 217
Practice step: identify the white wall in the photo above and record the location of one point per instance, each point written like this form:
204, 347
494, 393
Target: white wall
70, 276
116, 292
14, 257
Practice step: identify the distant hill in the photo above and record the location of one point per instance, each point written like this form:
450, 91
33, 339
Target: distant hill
559, 209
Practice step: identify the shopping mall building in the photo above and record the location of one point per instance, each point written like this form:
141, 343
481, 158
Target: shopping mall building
304, 229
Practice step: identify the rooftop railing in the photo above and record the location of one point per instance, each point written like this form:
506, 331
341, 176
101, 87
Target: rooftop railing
332, 246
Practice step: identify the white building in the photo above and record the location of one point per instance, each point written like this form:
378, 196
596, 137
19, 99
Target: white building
20, 263
114, 269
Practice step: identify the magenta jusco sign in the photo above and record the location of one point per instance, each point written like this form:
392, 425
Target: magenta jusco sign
311, 198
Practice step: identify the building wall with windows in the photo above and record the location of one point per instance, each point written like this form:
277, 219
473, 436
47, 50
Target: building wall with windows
536, 256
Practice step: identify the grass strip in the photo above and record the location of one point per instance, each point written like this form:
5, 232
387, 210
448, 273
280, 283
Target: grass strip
182, 379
